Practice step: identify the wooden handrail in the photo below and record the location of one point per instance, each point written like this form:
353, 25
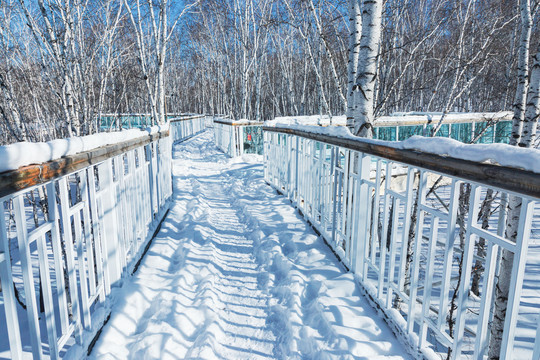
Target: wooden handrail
27, 176
512, 179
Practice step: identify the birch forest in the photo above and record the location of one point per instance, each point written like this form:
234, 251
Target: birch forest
65, 63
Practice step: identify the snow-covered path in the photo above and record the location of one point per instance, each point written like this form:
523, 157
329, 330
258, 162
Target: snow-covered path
235, 273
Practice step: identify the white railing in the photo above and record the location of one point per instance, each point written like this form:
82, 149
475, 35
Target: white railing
361, 198
184, 127
69, 230
232, 136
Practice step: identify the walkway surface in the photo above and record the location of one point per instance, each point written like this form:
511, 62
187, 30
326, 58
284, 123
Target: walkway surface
236, 273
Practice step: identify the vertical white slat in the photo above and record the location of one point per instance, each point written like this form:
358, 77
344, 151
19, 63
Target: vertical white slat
393, 251
58, 261
287, 159
8, 293
83, 279
303, 160
415, 269
428, 280
240, 140
88, 248
304, 179
355, 221
386, 220
375, 214
345, 202
448, 253
47, 296
169, 173
69, 251
136, 184
311, 171
344, 198
147, 185
28, 276
329, 191
407, 214
367, 229
463, 290
518, 273
337, 199
162, 168
109, 231
316, 173
320, 183
101, 270
334, 175
152, 180
157, 177
297, 155
265, 155
129, 203
350, 210
122, 212
362, 203
485, 304
313, 183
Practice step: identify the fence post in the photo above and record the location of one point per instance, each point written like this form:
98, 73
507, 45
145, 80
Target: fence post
110, 231
8, 292
28, 278
362, 203
518, 272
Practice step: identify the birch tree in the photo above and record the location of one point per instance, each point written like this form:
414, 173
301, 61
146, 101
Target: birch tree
526, 96
520, 97
367, 67
355, 27
156, 25
532, 109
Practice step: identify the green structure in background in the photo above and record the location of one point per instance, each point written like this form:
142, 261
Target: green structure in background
466, 132
130, 121
480, 132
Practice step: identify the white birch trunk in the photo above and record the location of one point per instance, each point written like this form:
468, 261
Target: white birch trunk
514, 203
532, 110
522, 71
355, 24
367, 68
329, 53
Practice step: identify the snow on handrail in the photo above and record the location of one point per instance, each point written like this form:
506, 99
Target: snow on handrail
20, 154
27, 176
396, 119
400, 219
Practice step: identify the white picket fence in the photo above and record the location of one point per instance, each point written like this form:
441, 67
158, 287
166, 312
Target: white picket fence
184, 127
340, 186
71, 237
229, 135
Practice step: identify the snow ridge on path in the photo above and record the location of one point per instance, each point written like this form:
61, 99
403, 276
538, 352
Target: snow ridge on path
235, 273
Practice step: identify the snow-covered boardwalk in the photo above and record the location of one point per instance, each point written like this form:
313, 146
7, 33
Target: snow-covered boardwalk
236, 273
